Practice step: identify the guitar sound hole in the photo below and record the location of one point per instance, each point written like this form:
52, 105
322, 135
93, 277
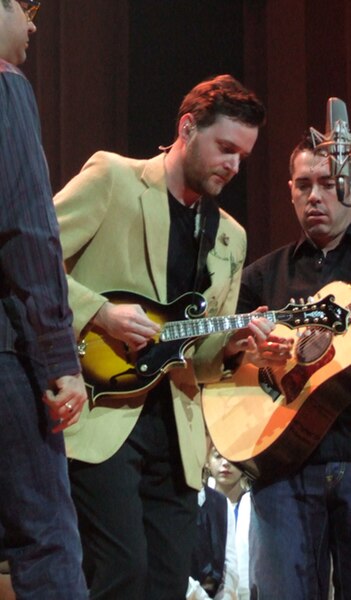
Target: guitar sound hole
313, 344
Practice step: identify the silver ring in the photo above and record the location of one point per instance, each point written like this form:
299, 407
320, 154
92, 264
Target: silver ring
69, 406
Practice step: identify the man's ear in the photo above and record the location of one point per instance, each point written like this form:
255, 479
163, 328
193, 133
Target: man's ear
290, 183
186, 126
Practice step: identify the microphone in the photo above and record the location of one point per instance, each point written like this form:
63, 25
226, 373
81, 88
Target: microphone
335, 144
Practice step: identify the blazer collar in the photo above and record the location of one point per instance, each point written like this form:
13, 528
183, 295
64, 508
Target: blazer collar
154, 174
154, 202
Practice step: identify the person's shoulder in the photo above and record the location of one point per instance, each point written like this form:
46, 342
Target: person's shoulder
116, 172
112, 160
12, 74
16, 96
271, 257
6, 67
230, 224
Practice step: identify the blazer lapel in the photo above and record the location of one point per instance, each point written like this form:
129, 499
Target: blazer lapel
154, 202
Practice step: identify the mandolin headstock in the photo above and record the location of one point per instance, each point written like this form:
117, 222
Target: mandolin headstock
323, 313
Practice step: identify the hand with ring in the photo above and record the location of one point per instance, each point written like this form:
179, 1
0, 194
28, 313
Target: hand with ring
66, 400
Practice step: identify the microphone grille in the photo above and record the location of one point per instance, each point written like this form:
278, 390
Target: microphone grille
336, 111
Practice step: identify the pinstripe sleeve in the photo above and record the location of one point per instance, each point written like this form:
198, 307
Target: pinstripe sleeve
33, 283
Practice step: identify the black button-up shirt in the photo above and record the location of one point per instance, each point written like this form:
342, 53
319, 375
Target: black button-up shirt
299, 270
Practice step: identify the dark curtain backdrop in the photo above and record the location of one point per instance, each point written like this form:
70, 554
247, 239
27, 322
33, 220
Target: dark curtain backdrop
110, 74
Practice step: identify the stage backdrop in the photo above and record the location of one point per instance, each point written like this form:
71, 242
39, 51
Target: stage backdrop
110, 74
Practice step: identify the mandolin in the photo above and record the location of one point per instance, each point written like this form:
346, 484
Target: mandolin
111, 368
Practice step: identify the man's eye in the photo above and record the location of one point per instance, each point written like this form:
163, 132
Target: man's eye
329, 185
303, 187
226, 150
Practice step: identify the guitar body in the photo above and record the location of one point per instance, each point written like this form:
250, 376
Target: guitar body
268, 421
111, 369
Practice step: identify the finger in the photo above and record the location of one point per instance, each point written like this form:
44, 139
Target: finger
48, 397
271, 346
138, 333
68, 407
143, 320
261, 309
278, 339
66, 415
136, 342
278, 347
67, 412
250, 344
53, 402
145, 331
284, 343
261, 329
64, 423
65, 395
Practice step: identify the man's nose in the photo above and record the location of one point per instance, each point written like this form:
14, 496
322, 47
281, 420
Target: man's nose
31, 27
232, 164
315, 195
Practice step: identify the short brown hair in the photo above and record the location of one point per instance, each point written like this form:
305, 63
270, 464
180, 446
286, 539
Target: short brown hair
304, 144
222, 95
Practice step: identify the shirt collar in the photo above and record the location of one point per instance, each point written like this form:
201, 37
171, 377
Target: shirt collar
304, 242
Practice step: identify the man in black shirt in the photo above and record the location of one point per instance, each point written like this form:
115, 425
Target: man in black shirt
299, 521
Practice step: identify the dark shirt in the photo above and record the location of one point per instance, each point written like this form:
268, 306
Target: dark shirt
299, 270
182, 249
182, 262
34, 315
192, 235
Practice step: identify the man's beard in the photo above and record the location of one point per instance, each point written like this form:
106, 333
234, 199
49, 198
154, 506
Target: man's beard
195, 177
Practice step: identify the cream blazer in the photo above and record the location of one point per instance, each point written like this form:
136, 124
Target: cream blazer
114, 221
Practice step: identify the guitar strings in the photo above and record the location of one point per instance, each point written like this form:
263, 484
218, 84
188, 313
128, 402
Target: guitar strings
302, 348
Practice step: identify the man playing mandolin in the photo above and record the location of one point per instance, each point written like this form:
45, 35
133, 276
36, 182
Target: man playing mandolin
152, 227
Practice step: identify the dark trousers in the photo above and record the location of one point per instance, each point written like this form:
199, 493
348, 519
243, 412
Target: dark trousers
38, 523
296, 525
137, 517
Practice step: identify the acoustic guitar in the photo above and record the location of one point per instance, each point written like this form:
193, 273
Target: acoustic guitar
269, 420
111, 369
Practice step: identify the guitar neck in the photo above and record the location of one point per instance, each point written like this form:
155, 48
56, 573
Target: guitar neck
178, 330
